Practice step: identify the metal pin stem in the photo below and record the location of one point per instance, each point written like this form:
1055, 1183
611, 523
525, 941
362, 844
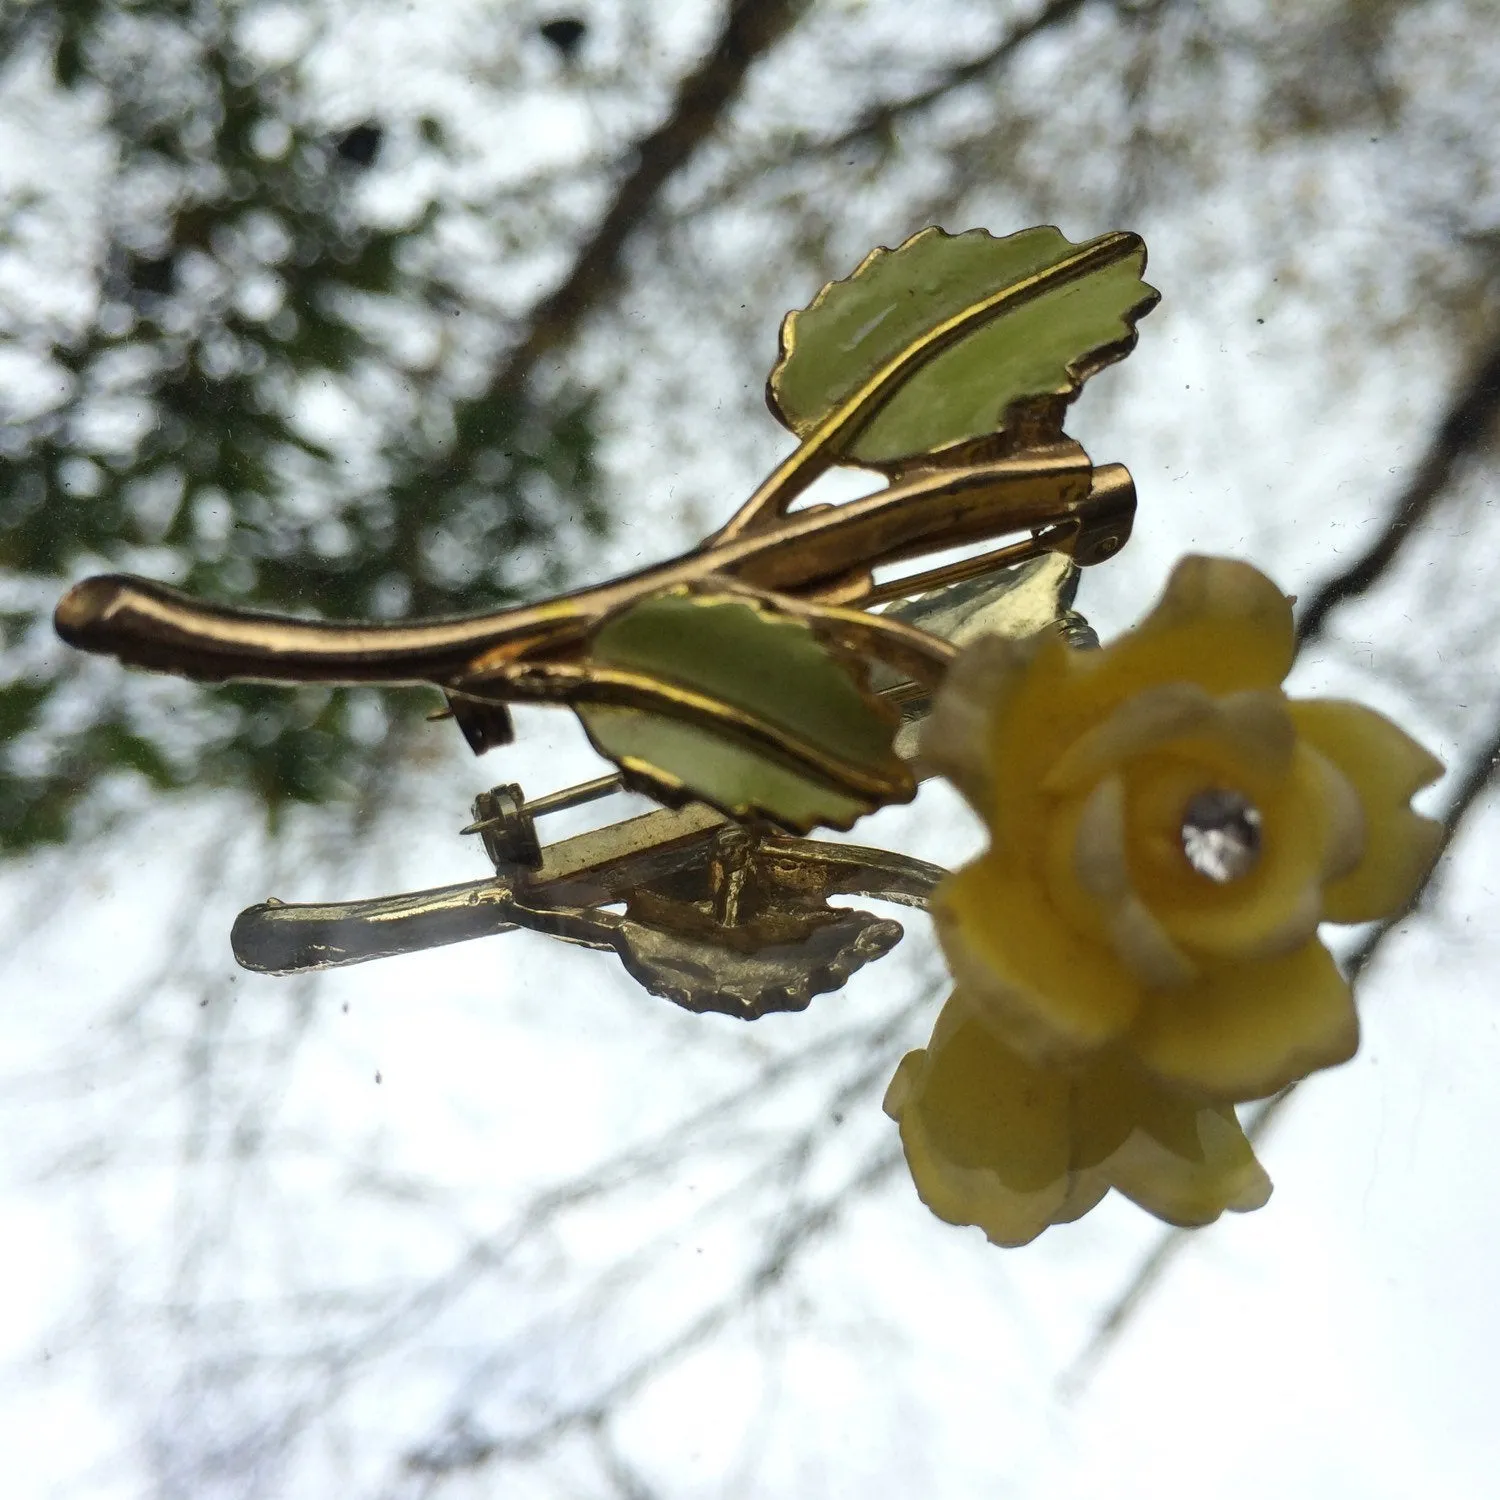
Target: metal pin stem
913, 584
576, 796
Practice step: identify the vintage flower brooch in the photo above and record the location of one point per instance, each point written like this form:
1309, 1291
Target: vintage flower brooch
1136, 952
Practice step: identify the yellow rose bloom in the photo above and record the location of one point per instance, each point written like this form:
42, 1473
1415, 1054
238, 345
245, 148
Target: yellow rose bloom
1137, 950
994, 1140
1167, 831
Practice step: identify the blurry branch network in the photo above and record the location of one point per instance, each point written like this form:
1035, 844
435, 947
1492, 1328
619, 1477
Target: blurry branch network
248, 284
877, 125
880, 120
786, 1189
750, 29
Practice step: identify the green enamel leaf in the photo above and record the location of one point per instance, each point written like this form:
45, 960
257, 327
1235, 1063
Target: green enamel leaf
683, 760
1061, 312
773, 670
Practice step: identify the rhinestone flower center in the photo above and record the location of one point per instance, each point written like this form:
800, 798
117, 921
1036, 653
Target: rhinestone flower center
1221, 834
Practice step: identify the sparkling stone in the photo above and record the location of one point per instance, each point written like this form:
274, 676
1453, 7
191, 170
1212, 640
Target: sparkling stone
1221, 834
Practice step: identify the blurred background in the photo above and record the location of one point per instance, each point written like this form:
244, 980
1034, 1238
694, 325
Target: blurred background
387, 309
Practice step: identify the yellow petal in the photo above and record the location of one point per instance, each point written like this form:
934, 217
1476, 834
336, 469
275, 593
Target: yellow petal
985, 1133
1343, 821
1178, 1158
1220, 624
1192, 1190
1099, 867
1042, 716
1240, 732
1248, 1029
955, 740
1085, 1193
1154, 717
1042, 986
1385, 766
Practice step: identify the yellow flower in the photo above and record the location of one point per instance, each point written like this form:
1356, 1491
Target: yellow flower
1167, 831
994, 1140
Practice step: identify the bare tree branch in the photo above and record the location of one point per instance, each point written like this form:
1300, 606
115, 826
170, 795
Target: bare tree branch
1479, 775
751, 28
878, 121
1462, 431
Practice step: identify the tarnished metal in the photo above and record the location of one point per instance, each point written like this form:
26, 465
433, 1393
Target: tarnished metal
717, 916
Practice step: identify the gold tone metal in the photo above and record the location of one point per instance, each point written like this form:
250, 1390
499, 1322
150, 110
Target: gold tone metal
717, 917
576, 796
718, 914
276, 937
957, 572
812, 554
1104, 523
507, 828
588, 682
1028, 597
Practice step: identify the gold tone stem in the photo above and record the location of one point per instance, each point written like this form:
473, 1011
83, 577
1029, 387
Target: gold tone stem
149, 625
912, 584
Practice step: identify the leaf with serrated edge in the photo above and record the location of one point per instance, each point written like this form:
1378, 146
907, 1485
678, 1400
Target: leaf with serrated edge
1058, 325
771, 667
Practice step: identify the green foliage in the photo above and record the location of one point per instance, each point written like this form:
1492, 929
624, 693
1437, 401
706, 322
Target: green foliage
772, 669
1036, 353
238, 283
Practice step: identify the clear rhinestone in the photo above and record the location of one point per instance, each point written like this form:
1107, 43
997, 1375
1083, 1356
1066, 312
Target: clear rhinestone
1221, 834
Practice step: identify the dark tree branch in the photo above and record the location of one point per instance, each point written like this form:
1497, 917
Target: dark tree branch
1479, 775
751, 28
882, 118
1463, 430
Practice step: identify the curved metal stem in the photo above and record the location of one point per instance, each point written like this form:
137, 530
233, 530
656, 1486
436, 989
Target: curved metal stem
808, 554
